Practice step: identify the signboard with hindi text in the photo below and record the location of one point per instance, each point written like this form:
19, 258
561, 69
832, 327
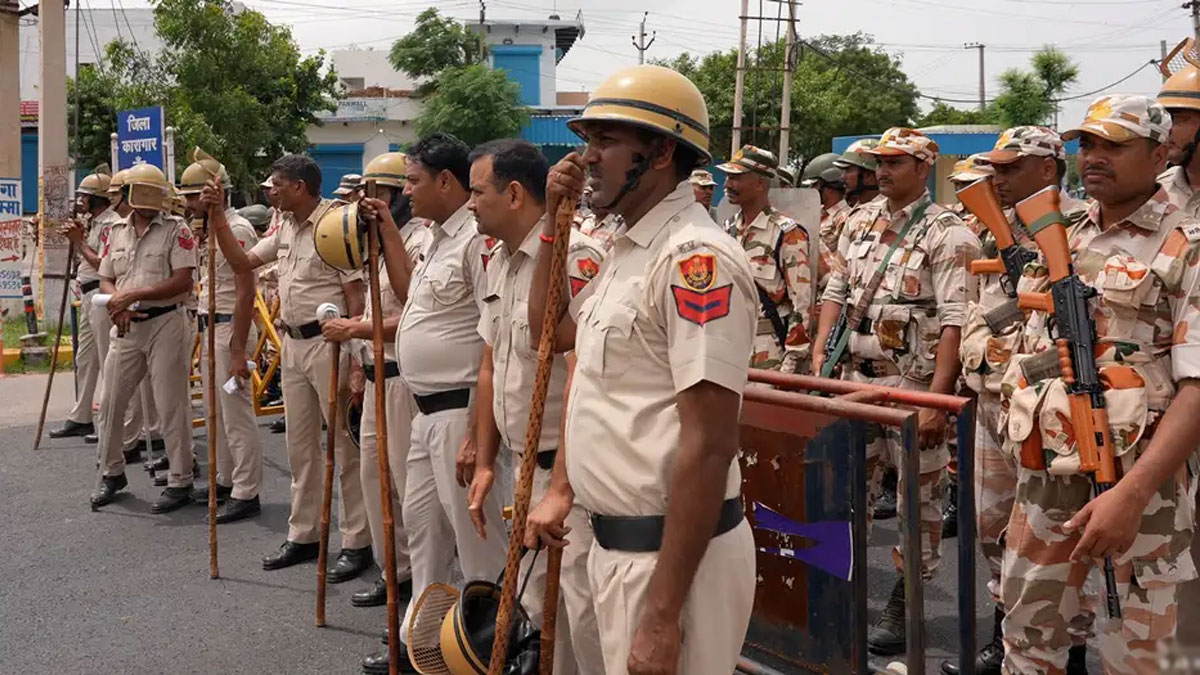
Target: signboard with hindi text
140, 137
10, 238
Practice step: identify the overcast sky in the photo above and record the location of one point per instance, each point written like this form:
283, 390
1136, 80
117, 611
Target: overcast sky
1108, 39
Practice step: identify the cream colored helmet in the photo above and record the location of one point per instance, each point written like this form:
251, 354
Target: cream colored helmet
148, 188
388, 169
654, 98
196, 175
96, 183
117, 182
1182, 86
339, 240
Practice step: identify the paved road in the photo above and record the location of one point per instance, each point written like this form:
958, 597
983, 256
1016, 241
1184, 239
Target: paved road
123, 591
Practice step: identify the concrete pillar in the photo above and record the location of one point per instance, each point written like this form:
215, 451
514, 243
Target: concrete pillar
54, 188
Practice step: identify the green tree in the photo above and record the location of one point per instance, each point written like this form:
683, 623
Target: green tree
945, 114
229, 81
437, 43
1028, 97
843, 84
475, 103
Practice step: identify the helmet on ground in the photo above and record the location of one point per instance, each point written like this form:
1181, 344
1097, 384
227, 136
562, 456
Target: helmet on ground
389, 169
339, 240
469, 629
654, 98
821, 168
858, 154
148, 188
96, 183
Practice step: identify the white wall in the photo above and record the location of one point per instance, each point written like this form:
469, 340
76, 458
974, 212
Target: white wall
96, 29
375, 136
372, 66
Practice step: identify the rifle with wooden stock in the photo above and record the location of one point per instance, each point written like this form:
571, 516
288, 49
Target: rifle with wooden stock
1074, 335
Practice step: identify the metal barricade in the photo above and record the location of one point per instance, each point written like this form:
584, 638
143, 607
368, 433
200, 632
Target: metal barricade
803, 461
266, 357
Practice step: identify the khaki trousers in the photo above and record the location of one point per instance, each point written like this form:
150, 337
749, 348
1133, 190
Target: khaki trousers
399, 409
239, 449
305, 379
87, 362
715, 615
576, 637
102, 332
435, 508
154, 352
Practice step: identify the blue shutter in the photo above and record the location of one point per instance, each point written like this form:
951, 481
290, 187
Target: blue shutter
336, 160
29, 172
522, 63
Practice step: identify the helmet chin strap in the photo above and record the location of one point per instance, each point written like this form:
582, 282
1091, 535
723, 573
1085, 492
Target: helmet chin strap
641, 164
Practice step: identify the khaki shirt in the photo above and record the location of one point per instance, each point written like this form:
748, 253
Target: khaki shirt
1174, 180
674, 304
437, 344
133, 261
602, 230
785, 277
97, 239
504, 325
243, 231
415, 233
925, 286
305, 281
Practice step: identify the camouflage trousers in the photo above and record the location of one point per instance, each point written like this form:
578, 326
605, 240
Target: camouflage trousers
1043, 591
995, 487
885, 448
769, 355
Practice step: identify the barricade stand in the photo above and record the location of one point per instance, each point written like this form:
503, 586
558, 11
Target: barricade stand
803, 461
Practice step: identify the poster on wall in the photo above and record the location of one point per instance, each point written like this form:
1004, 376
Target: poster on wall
10, 238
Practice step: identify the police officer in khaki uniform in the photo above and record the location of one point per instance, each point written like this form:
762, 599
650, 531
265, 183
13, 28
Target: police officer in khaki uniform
349, 190
239, 449
508, 198
387, 172
905, 327
664, 332
305, 282
95, 210
438, 349
777, 247
149, 260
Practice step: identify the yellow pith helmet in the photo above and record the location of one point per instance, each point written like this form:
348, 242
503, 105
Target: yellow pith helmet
339, 240
96, 183
197, 174
387, 169
117, 182
654, 98
148, 188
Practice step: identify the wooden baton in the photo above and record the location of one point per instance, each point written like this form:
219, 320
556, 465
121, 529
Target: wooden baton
331, 429
62, 307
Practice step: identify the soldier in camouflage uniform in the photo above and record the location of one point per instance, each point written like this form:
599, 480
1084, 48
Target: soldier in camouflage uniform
858, 177
821, 175
1142, 255
1026, 159
778, 250
1180, 95
909, 336
967, 171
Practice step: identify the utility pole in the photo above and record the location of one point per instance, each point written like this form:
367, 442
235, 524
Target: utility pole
739, 86
789, 60
639, 40
10, 92
1194, 5
482, 31
54, 187
982, 77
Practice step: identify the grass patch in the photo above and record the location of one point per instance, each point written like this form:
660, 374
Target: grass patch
15, 328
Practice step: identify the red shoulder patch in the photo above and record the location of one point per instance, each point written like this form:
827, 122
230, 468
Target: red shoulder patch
577, 285
702, 307
699, 271
186, 242
588, 268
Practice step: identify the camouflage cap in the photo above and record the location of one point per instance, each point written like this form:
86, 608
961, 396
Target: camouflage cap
1027, 141
751, 158
1121, 118
859, 154
702, 178
970, 169
905, 141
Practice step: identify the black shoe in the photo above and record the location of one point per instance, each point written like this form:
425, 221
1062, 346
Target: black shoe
1077, 660
238, 509
377, 664
160, 479
278, 426
290, 554
886, 637
156, 464
885, 504
72, 428
350, 563
91, 439
200, 494
107, 492
133, 453
990, 658
374, 596
950, 513
173, 498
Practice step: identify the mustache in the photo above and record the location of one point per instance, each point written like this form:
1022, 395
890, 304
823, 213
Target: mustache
1097, 170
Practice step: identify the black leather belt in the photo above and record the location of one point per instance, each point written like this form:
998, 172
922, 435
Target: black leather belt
390, 369
305, 331
152, 312
218, 319
643, 534
89, 286
545, 459
443, 400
